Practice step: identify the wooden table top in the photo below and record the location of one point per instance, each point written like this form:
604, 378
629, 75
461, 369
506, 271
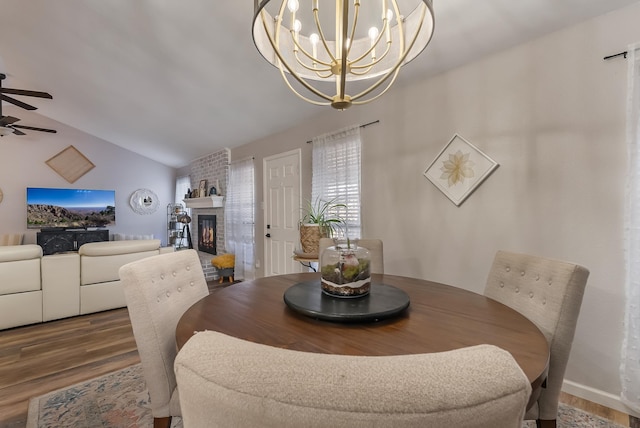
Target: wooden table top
439, 318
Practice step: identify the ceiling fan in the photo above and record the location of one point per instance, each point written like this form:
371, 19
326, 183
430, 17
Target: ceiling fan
7, 123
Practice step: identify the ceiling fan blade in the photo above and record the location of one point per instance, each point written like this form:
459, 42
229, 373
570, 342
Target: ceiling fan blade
17, 132
8, 120
53, 131
26, 93
16, 102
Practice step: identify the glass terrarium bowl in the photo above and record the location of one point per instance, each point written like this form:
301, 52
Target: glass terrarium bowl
345, 269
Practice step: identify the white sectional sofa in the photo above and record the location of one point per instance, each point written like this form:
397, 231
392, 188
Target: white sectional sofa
36, 288
20, 285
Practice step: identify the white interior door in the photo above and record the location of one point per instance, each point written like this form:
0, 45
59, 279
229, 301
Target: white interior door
282, 187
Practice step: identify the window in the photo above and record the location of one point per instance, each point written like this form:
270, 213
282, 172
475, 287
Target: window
183, 184
239, 217
336, 175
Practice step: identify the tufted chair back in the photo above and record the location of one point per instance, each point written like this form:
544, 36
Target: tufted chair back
158, 290
255, 385
11, 239
549, 293
373, 245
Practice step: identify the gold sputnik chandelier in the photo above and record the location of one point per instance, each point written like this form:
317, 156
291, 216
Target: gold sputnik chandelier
360, 63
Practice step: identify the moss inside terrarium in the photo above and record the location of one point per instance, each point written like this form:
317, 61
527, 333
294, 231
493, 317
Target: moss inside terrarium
340, 273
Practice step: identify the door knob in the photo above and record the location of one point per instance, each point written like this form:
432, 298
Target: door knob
268, 235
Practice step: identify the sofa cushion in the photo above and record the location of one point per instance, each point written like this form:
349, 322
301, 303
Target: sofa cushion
12, 253
94, 270
20, 276
125, 237
109, 248
20, 309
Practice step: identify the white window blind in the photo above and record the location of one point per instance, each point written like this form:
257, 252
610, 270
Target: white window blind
239, 217
336, 175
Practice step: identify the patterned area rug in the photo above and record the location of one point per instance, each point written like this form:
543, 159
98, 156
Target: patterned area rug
120, 399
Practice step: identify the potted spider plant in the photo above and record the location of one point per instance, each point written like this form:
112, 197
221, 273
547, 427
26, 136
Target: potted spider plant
320, 219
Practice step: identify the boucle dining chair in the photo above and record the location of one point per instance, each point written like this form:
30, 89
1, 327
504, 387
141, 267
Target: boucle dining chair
229, 382
549, 293
373, 245
158, 290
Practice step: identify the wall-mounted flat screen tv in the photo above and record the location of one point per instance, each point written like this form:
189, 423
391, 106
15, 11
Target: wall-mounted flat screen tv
49, 208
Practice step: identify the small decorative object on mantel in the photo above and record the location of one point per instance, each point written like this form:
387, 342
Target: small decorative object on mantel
202, 188
144, 201
459, 169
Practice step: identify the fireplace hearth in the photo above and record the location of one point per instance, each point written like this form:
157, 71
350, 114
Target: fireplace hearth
207, 233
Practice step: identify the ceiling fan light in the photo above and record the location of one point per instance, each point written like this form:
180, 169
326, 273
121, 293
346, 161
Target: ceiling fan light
5, 131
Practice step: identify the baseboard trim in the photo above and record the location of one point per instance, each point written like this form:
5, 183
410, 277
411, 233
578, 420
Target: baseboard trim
597, 396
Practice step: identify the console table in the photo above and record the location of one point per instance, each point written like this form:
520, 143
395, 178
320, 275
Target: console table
60, 241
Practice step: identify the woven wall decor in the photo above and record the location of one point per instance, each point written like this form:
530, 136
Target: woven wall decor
70, 164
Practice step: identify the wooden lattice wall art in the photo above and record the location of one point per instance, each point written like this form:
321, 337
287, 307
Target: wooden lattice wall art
70, 164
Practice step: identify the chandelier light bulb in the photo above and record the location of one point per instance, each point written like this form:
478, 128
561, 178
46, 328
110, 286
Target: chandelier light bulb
373, 34
293, 5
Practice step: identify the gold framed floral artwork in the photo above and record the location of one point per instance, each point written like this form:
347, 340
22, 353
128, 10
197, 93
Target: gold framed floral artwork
459, 169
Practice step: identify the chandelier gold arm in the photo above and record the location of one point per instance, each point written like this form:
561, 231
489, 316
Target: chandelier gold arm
356, 10
372, 63
396, 67
342, 84
311, 68
281, 62
316, 18
302, 97
373, 46
393, 79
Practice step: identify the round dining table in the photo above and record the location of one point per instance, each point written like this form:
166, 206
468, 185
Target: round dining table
439, 318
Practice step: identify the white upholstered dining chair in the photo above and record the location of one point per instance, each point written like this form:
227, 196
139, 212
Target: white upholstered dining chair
229, 382
373, 245
549, 293
158, 291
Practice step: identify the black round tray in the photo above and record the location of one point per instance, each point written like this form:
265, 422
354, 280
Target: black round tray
383, 301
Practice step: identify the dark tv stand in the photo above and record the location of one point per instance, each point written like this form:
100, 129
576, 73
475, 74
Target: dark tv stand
60, 241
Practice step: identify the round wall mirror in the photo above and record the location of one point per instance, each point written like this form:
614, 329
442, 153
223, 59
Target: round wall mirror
144, 201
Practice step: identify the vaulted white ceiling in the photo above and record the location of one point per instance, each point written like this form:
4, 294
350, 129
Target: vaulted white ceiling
176, 80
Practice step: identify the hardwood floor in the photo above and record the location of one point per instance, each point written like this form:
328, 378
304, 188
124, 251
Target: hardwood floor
44, 357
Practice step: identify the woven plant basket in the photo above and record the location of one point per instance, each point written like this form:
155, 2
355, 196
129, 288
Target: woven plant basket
310, 235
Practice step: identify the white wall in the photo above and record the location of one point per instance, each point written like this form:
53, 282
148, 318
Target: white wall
552, 114
22, 165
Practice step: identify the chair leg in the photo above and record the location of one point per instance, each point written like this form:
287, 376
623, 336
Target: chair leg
540, 423
162, 422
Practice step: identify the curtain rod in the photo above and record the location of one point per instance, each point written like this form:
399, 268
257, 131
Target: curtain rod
361, 126
616, 55
242, 159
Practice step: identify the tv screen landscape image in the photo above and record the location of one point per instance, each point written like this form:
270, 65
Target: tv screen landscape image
49, 208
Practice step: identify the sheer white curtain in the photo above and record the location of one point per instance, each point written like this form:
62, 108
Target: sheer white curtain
182, 185
336, 174
239, 221
630, 367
